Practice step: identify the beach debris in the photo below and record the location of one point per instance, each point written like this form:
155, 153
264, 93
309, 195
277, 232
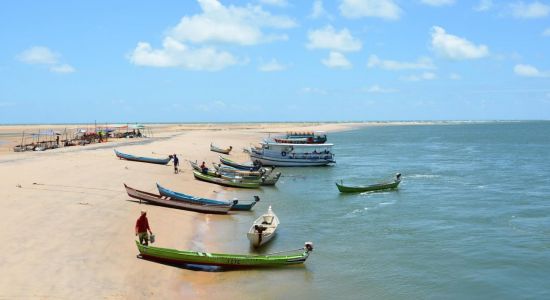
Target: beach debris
19, 186
83, 203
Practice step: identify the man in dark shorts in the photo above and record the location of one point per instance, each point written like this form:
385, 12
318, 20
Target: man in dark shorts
176, 163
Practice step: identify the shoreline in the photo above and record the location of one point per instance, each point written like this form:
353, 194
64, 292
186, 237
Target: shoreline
70, 204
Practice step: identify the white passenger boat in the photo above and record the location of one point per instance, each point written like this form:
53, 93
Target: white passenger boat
292, 155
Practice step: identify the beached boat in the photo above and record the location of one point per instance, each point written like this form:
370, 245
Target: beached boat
239, 205
160, 161
173, 256
196, 167
241, 166
227, 181
292, 155
220, 150
369, 188
265, 175
169, 202
263, 228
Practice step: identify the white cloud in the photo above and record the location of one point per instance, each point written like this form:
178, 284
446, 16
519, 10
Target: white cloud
438, 2
272, 66
318, 10
385, 9
336, 60
419, 77
421, 63
484, 5
529, 71
454, 76
379, 90
229, 24
40, 55
63, 68
546, 32
280, 3
312, 90
328, 38
532, 10
454, 47
176, 54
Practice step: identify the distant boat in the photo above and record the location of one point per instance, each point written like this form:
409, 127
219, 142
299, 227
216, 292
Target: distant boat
232, 182
241, 166
159, 161
168, 202
174, 256
220, 150
263, 228
369, 188
238, 205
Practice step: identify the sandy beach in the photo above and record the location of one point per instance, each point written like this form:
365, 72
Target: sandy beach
68, 225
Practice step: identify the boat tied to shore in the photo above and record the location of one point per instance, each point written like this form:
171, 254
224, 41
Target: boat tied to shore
226, 181
214, 148
369, 188
263, 228
292, 155
237, 204
250, 166
159, 161
173, 256
160, 200
266, 176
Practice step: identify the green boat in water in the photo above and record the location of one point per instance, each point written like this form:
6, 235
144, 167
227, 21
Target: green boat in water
369, 188
173, 256
227, 181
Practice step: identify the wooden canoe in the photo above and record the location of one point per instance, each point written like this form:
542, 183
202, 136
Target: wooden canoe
220, 150
247, 166
237, 204
263, 229
235, 182
173, 256
169, 202
367, 188
159, 161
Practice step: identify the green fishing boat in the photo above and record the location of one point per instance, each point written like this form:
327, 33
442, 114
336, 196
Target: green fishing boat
174, 256
369, 188
227, 181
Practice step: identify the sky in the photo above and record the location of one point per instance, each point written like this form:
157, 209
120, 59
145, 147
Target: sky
273, 60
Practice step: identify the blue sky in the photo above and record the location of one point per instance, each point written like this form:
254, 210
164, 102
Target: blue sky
273, 60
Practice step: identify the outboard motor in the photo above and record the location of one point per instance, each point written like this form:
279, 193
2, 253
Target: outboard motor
308, 246
256, 198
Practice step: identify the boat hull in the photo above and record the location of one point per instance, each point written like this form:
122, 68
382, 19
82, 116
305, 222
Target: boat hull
370, 188
289, 162
216, 259
158, 161
168, 202
226, 182
192, 199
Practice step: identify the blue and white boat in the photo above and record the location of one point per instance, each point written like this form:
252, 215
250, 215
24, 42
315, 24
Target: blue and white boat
159, 161
292, 155
238, 205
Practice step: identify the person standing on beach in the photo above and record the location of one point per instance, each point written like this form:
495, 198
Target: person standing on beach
142, 226
176, 163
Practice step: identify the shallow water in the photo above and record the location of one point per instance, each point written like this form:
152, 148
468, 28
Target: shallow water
471, 218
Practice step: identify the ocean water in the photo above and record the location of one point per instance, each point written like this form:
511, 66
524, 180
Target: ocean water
470, 220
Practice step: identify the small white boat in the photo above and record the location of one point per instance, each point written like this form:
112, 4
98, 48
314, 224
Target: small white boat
263, 228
